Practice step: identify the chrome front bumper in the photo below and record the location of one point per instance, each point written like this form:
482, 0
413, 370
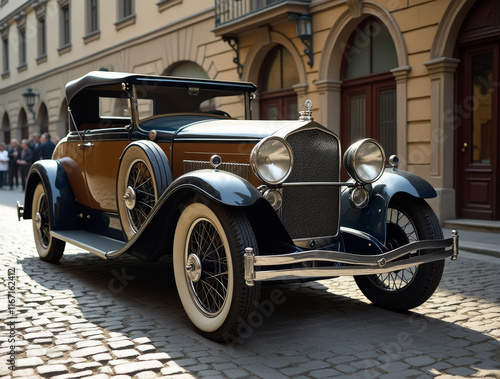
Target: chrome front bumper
356, 264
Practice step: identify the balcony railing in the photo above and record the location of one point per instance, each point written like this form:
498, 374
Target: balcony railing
231, 10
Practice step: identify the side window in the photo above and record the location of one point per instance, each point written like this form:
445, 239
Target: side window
112, 107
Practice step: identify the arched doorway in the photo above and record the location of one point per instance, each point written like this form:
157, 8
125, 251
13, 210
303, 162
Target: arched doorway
23, 124
477, 118
6, 128
278, 100
368, 94
43, 119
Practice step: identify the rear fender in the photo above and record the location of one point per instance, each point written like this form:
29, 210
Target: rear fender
62, 205
372, 219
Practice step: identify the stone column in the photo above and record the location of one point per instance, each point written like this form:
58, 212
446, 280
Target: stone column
441, 72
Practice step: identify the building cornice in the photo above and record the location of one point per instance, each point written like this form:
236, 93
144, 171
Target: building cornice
16, 13
206, 14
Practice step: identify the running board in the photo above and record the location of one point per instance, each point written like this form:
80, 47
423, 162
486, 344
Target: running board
97, 244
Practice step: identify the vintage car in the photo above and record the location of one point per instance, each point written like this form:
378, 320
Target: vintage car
156, 166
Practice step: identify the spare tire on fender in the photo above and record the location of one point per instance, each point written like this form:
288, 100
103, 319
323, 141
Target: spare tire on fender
143, 175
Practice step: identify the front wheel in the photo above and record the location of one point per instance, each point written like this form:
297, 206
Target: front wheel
408, 219
49, 249
208, 265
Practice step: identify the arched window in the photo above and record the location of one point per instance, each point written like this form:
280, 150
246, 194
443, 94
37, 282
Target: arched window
278, 100
187, 69
369, 88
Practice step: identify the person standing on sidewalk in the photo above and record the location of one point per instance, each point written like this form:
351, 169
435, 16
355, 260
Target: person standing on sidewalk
24, 161
35, 147
4, 164
47, 146
14, 152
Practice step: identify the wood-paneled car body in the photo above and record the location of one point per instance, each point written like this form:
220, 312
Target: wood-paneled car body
158, 166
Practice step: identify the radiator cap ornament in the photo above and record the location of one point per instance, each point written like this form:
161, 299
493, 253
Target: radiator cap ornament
307, 114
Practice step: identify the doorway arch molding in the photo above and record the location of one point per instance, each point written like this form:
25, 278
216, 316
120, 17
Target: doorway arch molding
267, 39
329, 82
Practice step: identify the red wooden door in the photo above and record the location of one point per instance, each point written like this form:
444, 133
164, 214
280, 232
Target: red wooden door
477, 135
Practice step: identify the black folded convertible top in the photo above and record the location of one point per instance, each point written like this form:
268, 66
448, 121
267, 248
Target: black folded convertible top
112, 81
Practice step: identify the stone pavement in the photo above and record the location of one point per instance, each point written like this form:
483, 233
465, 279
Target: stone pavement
87, 317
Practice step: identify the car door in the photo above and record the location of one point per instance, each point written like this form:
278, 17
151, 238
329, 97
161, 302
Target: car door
102, 150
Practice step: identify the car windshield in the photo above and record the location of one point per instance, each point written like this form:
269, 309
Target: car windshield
158, 101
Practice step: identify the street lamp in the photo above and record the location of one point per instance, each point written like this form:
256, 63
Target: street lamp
30, 97
303, 27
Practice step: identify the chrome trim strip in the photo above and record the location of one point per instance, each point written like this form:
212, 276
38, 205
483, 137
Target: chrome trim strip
240, 169
454, 235
365, 264
336, 184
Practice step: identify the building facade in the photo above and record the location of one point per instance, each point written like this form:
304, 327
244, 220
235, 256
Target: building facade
422, 76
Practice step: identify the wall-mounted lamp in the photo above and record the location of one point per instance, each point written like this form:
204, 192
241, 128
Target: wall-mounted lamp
303, 26
30, 96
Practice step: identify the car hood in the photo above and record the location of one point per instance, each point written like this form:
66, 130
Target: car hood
236, 129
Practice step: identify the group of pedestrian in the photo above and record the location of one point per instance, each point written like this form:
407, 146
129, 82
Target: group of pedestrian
16, 159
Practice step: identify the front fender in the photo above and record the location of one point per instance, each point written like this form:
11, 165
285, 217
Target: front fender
221, 186
372, 219
62, 205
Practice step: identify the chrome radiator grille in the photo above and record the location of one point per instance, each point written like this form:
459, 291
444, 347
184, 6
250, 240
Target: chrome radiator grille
312, 211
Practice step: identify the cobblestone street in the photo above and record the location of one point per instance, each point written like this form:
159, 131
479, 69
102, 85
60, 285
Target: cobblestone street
87, 317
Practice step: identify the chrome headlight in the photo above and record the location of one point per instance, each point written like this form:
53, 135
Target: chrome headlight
365, 160
272, 160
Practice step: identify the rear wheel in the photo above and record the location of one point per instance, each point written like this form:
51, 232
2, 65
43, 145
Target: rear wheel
49, 249
208, 264
408, 219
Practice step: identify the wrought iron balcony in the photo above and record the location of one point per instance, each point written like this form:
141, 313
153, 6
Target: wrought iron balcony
227, 11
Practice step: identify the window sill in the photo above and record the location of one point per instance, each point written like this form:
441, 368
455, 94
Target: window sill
22, 67
92, 36
64, 49
41, 59
124, 22
5, 74
165, 4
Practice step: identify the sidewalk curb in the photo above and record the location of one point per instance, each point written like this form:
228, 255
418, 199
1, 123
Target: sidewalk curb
479, 248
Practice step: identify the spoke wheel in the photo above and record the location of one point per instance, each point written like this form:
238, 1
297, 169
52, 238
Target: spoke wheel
49, 249
143, 175
207, 268
400, 231
208, 265
140, 195
408, 219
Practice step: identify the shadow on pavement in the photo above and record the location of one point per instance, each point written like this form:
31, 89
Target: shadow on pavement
139, 299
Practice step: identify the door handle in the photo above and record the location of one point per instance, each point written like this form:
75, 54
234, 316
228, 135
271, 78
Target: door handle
464, 146
86, 144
